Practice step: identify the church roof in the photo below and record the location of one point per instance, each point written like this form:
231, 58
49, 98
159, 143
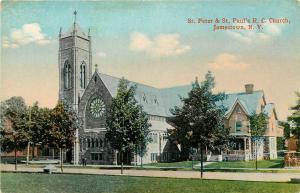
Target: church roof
149, 97
159, 101
74, 27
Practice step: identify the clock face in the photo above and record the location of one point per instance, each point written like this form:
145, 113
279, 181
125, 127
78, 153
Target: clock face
97, 108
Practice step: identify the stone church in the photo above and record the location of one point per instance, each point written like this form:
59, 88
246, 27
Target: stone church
90, 93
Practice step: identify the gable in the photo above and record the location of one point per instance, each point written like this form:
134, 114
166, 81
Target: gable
233, 109
94, 90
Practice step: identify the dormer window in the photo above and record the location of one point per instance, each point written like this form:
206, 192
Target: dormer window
144, 98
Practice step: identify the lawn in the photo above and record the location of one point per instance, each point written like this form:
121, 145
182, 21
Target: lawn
186, 164
232, 164
72, 183
248, 164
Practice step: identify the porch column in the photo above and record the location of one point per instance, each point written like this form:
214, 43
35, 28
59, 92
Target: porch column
245, 148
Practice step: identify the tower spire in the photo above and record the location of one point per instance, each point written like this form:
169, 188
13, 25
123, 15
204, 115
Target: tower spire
75, 13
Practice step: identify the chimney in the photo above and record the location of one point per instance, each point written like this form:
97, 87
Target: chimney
249, 88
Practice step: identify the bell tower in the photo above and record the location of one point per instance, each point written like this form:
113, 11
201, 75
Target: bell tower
75, 63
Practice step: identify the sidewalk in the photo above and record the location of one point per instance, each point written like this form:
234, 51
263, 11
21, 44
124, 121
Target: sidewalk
267, 177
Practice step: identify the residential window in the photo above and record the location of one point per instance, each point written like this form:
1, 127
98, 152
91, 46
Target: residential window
238, 126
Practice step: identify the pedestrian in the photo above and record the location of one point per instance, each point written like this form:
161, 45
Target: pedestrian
85, 161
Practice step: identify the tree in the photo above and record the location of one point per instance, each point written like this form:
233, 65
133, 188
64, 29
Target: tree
127, 123
286, 129
258, 126
199, 123
63, 124
36, 125
13, 134
295, 119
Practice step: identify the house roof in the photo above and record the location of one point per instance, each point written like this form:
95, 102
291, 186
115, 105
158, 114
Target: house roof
159, 101
249, 102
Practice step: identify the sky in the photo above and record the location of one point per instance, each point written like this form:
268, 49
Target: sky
151, 42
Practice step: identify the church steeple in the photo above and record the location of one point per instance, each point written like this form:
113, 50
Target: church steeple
75, 63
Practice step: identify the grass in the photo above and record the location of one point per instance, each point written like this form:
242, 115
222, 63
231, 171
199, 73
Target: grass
230, 164
71, 183
187, 164
248, 164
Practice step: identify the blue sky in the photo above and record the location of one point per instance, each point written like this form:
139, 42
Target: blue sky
151, 42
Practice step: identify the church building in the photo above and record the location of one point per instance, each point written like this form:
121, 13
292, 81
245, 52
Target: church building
90, 93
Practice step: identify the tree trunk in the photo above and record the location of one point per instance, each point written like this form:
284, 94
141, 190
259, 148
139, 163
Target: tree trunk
201, 153
27, 156
61, 160
32, 151
15, 153
121, 162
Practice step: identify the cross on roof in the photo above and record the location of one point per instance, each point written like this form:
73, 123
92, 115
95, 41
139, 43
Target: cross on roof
75, 13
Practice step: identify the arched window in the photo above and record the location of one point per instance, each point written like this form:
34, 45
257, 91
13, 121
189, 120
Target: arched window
67, 74
82, 75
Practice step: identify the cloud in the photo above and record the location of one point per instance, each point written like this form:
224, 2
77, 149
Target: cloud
28, 33
101, 54
161, 45
226, 61
269, 31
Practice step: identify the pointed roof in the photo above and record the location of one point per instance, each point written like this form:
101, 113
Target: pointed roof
74, 28
248, 101
269, 109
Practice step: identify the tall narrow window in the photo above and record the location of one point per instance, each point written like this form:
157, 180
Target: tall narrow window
238, 126
67, 74
82, 75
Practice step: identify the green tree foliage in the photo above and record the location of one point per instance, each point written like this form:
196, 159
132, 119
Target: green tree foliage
295, 119
258, 126
63, 124
127, 123
13, 116
199, 123
286, 129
